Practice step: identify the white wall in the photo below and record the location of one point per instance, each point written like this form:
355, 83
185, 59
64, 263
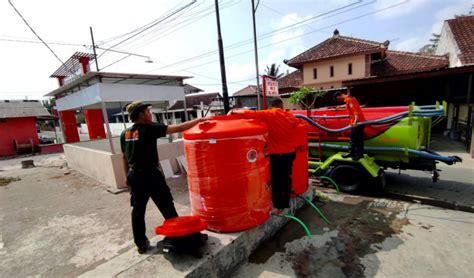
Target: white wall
88, 159
99, 165
447, 45
340, 71
115, 128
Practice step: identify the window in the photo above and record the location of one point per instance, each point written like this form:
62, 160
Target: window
349, 69
331, 71
315, 73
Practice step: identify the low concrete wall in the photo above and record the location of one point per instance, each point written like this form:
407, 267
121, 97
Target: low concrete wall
94, 160
51, 148
99, 165
100, 144
171, 151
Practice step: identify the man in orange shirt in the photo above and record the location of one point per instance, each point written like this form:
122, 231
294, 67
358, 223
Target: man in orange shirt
281, 125
356, 147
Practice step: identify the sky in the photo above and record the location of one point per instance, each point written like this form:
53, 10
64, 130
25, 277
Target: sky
183, 40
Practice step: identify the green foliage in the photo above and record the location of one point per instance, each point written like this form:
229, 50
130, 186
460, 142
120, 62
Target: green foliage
306, 96
274, 71
80, 119
49, 103
463, 15
431, 47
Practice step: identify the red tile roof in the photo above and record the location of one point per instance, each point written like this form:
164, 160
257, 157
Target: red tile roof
334, 47
250, 90
291, 80
397, 62
463, 32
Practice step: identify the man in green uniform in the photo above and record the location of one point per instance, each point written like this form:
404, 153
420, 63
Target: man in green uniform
140, 160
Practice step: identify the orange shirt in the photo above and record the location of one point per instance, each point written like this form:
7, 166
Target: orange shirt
353, 107
281, 126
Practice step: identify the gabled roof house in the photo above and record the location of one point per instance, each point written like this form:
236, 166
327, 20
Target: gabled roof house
457, 40
339, 58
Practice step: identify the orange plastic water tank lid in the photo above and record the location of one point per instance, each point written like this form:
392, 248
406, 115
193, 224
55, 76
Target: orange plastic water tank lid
224, 127
181, 226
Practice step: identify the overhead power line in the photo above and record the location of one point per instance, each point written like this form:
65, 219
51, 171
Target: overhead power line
305, 34
327, 14
131, 32
168, 27
148, 27
32, 30
52, 43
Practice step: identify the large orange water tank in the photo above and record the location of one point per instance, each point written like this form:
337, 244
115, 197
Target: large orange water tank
299, 175
229, 172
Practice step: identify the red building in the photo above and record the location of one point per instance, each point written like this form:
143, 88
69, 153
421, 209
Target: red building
18, 124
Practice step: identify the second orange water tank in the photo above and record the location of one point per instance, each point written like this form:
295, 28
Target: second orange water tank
299, 175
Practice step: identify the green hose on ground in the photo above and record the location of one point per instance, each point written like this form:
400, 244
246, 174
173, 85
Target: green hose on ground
331, 181
316, 209
297, 220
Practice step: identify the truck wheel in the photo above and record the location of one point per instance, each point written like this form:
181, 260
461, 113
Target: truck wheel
347, 177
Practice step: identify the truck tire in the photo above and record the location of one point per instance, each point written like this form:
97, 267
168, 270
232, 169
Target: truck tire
347, 177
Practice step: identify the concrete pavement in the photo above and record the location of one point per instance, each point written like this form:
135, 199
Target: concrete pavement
369, 237
54, 222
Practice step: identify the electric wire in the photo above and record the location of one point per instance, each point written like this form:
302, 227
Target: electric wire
265, 35
173, 13
178, 25
34, 32
291, 38
268, 34
105, 41
286, 28
198, 16
51, 43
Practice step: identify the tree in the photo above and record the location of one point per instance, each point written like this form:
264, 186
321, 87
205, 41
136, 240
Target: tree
273, 70
463, 15
431, 47
49, 104
306, 97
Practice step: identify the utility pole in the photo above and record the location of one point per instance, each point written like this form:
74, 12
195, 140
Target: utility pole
254, 9
221, 59
93, 48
